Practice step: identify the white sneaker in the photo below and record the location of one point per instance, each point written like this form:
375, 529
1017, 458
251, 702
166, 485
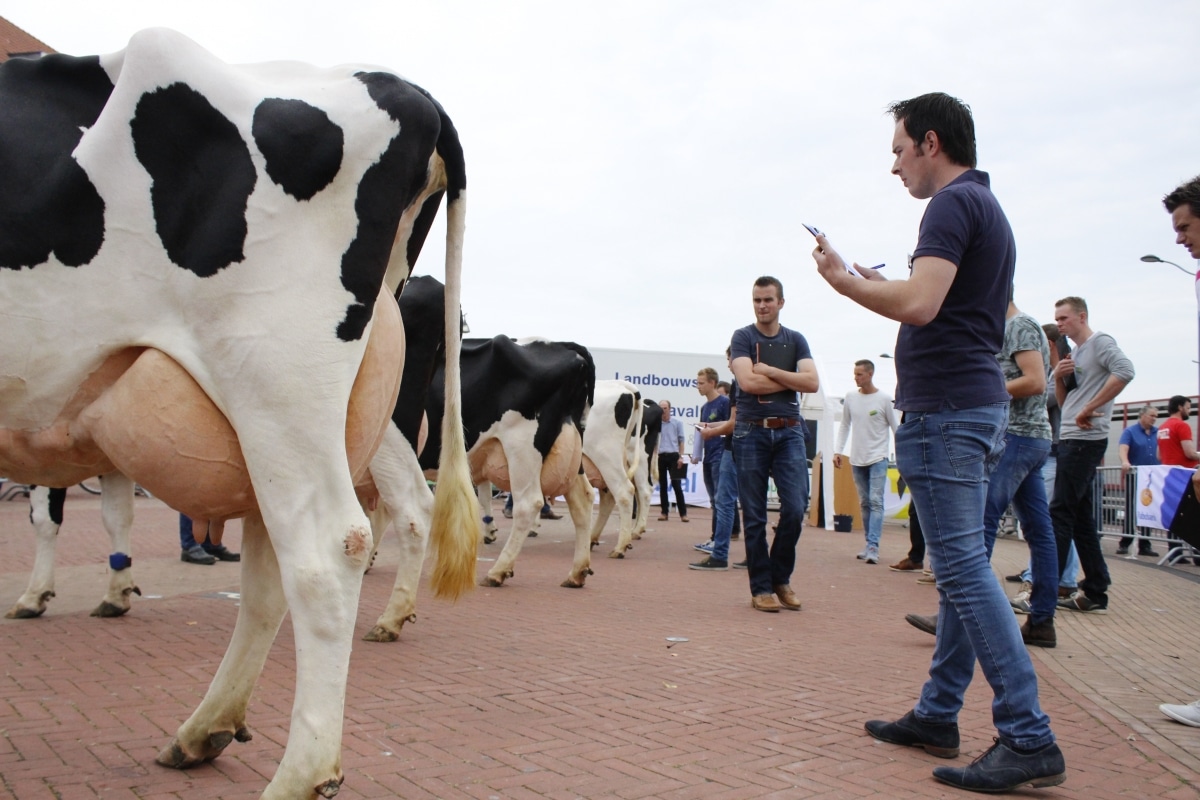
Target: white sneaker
1188, 715
872, 555
862, 556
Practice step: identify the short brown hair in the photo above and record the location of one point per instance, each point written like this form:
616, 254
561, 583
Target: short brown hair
767, 280
866, 362
709, 373
1077, 303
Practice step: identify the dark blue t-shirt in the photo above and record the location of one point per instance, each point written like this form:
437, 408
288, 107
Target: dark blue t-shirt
748, 342
951, 361
712, 412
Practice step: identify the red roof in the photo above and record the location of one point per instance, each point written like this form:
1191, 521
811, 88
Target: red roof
14, 41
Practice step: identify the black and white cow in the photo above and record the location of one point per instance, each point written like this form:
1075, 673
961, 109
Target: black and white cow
524, 406
197, 264
612, 455
647, 473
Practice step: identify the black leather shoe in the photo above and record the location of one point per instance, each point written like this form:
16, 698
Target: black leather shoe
1148, 553
196, 555
1002, 769
923, 623
938, 738
222, 553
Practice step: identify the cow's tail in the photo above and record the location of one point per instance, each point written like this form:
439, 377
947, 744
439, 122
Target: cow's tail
454, 530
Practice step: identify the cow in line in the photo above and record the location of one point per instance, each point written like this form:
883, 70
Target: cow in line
647, 473
612, 456
197, 264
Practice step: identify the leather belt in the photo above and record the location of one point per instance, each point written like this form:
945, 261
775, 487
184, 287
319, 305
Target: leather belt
775, 422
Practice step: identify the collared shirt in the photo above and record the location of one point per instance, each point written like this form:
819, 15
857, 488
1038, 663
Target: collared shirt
1143, 445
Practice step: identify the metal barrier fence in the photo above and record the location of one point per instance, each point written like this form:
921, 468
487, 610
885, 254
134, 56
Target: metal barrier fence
1116, 515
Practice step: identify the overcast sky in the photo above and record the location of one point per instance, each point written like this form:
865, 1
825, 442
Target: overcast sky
633, 166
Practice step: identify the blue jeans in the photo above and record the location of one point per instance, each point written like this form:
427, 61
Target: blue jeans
712, 479
186, 540
763, 453
870, 481
1017, 479
945, 457
725, 506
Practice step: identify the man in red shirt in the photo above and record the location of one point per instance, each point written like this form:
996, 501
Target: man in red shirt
1175, 444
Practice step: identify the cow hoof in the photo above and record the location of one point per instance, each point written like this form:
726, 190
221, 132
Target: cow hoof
637, 536
488, 580
107, 609
571, 583
21, 612
174, 756
381, 634
617, 554
593, 545
329, 788
489, 537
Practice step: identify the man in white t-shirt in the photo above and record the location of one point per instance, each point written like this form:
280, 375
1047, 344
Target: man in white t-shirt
867, 417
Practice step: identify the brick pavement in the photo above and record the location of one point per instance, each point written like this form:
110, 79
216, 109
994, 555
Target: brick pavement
534, 691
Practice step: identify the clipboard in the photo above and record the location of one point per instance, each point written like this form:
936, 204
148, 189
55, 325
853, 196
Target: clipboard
781, 355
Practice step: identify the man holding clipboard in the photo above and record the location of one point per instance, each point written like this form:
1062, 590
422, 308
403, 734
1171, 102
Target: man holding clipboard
772, 364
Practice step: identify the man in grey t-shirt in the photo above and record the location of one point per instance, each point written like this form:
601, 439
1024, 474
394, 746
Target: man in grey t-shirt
1101, 371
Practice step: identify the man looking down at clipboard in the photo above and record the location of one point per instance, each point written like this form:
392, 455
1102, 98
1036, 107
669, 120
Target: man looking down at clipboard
772, 365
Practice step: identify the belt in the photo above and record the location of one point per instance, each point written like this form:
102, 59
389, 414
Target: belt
775, 422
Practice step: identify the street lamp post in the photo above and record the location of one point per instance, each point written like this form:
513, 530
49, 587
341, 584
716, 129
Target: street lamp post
1153, 259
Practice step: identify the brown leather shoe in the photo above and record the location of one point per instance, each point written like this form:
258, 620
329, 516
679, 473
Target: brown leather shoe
787, 598
765, 602
906, 565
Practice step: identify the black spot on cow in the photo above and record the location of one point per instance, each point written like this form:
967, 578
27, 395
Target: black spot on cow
48, 204
623, 410
202, 177
302, 146
391, 185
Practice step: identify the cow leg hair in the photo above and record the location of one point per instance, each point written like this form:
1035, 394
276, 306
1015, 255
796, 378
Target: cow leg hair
221, 716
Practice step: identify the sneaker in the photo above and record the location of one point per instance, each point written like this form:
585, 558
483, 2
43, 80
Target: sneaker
743, 564
1039, 635
1122, 551
872, 555
1081, 602
507, 513
926, 624
222, 553
1188, 715
937, 738
1021, 605
926, 578
196, 555
863, 555
906, 565
1002, 769
707, 547
710, 564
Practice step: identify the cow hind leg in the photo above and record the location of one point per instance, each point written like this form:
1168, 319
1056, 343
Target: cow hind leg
221, 716
408, 504
116, 509
604, 511
45, 512
579, 503
527, 506
623, 498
